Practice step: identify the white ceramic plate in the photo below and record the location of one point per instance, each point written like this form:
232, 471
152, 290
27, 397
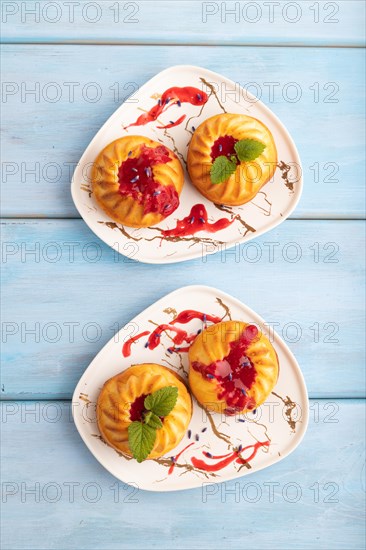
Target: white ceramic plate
272, 205
281, 421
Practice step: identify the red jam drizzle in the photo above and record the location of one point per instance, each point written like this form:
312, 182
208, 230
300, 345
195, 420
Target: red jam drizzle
180, 336
172, 96
126, 349
175, 458
137, 408
184, 349
235, 373
136, 180
225, 460
223, 146
196, 221
189, 314
172, 123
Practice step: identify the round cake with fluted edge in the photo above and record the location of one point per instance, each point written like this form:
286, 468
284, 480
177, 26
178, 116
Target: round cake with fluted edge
137, 181
217, 137
233, 367
121, 401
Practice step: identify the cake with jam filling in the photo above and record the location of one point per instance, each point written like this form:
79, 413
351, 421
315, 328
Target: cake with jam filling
231, 157
124, 400
233, 367
137, 181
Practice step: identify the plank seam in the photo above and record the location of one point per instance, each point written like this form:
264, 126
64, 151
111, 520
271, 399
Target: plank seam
180, 44
45, 219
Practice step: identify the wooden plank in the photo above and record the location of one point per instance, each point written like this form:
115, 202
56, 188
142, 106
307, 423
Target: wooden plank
317, 494
183, 21
79, 291
326, 121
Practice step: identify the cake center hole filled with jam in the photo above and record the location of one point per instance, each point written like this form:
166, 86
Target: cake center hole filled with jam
136, 180
137, 408
223, 146
235, 373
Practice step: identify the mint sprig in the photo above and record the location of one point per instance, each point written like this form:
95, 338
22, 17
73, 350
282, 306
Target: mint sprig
245, 149
153, 420
248, 149
141, 439
222, 169
142, 433
161, 402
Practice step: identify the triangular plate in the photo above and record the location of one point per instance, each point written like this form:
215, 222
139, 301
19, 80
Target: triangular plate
281, 420
272, 205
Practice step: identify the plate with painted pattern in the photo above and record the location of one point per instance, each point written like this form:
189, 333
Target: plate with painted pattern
174, 129
208, 451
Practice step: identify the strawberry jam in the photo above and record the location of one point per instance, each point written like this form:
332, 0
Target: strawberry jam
172, 96
188, 94
188, 314
180, 336
224, 460
137, 408
223, 146
126, 349
234, 373
136, 180
197, 220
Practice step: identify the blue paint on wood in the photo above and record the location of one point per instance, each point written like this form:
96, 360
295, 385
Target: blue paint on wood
317, 300
187, 22
326, 122
323, 477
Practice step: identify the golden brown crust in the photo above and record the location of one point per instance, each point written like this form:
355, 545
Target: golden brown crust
117, 394
124, 209
213, 344
249, 177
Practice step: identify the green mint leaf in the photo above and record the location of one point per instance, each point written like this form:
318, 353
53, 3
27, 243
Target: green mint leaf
141, 440
249, 149
222, 169
153, 420
163, 401
147, 417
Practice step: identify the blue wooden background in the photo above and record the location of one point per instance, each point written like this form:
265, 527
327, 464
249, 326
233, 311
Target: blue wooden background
65, 293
